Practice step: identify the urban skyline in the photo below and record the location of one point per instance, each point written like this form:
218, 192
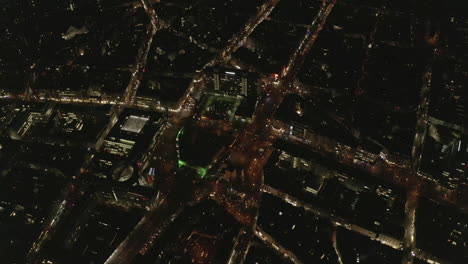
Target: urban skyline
237, 131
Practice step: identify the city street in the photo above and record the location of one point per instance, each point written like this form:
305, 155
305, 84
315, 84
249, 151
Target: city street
233, 177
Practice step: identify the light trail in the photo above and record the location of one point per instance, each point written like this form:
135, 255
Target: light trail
299, 55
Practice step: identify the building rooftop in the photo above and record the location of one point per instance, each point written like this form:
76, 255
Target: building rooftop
134, 124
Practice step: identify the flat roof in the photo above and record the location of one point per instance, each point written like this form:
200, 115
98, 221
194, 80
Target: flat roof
135, 124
